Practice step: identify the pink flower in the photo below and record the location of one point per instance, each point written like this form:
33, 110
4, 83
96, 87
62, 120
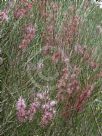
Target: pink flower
21, 109
26, 3
46, 118
30, 29
20, 103
83, 97
3, 16
49, 106
73, 85
40, 96
46, 107
28, 36
72, 29
80, 49
43, 96
55, 6
46, 49
53, 103
23, 46
93, 64
49, 112
19, 13
32, 110
56, 57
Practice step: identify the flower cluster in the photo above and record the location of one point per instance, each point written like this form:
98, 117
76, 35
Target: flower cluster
21, 110
56, 57
61, 84
69, 30
32, 110
70, 93
48, 108
42, 103
22, 11
83, 52
24, 113
19, 13
49, 19
83, 97
28, 36
67, 84
72, 29
48, 112
3, 16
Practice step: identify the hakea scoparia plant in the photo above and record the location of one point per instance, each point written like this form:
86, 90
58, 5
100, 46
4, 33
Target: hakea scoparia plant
64, 48
70, 92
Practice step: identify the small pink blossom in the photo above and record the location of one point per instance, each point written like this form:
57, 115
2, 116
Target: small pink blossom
49, 106
43, 96
80, 49
55, 6
28, 36
46, 118
30, 29
73, 85
26, 3
40, 96
53, 103
46, 106
3, 16
46, 49
56, 57
93, 64
32, 110
20, 104
19, 13
83, 97
49, 112
21, 109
